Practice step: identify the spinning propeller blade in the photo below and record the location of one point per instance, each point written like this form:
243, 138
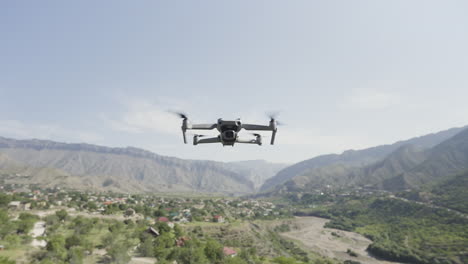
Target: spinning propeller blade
273, 116
181, 115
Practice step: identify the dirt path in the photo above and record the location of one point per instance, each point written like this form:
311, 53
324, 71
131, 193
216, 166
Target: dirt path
140, 260
38, 230
314, 236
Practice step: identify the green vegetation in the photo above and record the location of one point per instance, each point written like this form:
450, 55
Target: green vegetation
352, 253
4, 260
450, 193
14, 233
400, 230
453, 193
128, 226
404, 231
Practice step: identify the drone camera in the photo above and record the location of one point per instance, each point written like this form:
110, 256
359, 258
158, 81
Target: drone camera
229, 134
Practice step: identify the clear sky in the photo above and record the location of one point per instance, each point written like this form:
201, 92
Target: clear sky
344, 74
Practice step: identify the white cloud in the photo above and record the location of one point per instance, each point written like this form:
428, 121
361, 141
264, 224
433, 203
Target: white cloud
142, 116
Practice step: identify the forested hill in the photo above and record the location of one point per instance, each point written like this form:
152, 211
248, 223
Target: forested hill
404, 231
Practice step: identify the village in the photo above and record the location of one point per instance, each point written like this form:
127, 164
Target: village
157, 212
151, 207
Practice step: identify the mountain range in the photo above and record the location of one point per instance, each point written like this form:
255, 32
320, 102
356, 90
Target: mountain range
403, 165
90, 167
407, 164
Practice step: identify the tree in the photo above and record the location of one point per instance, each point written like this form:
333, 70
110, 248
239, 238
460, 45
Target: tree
116, 227
162, 227
75, 255
73, 241
5, 224
159, 213
146, 248
51, 220
214, 251
178, 232
284, 260
61, 214
25, 223
118, 253
234, 260
56, 247
4, 199
12, 240
162, 245
91, 206
191, 253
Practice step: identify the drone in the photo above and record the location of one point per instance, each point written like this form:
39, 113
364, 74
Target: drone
228, 131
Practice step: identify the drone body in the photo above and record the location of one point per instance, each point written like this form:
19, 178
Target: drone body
228, 131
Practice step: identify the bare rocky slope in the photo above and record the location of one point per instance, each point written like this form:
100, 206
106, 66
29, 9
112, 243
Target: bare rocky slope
84, 166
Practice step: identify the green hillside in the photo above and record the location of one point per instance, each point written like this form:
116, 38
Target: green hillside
404, 231
452, 193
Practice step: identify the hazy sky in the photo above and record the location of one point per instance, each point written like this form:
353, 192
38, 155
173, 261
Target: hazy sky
344, 74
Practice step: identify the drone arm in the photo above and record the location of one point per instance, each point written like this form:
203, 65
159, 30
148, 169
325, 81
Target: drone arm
203, 126
273, 135
256, 127
184, 136
197, 141
184, 127
247, 141
257, 140
271, 127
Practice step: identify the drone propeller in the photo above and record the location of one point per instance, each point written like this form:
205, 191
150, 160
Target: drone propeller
273, 116
185, 122
179, 114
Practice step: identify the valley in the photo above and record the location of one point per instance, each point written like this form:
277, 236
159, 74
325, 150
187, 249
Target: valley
333, 243
399, 203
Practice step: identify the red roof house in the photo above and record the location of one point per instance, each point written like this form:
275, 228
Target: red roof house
218, 218
229, 252
163, 219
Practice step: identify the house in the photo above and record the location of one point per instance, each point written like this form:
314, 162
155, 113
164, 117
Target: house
27, 206
229, 252
218, 219
170, 224
163, 219
14, 205
153, 232
2, 247
183, 220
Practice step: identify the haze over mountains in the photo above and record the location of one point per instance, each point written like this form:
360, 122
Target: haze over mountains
405, 164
